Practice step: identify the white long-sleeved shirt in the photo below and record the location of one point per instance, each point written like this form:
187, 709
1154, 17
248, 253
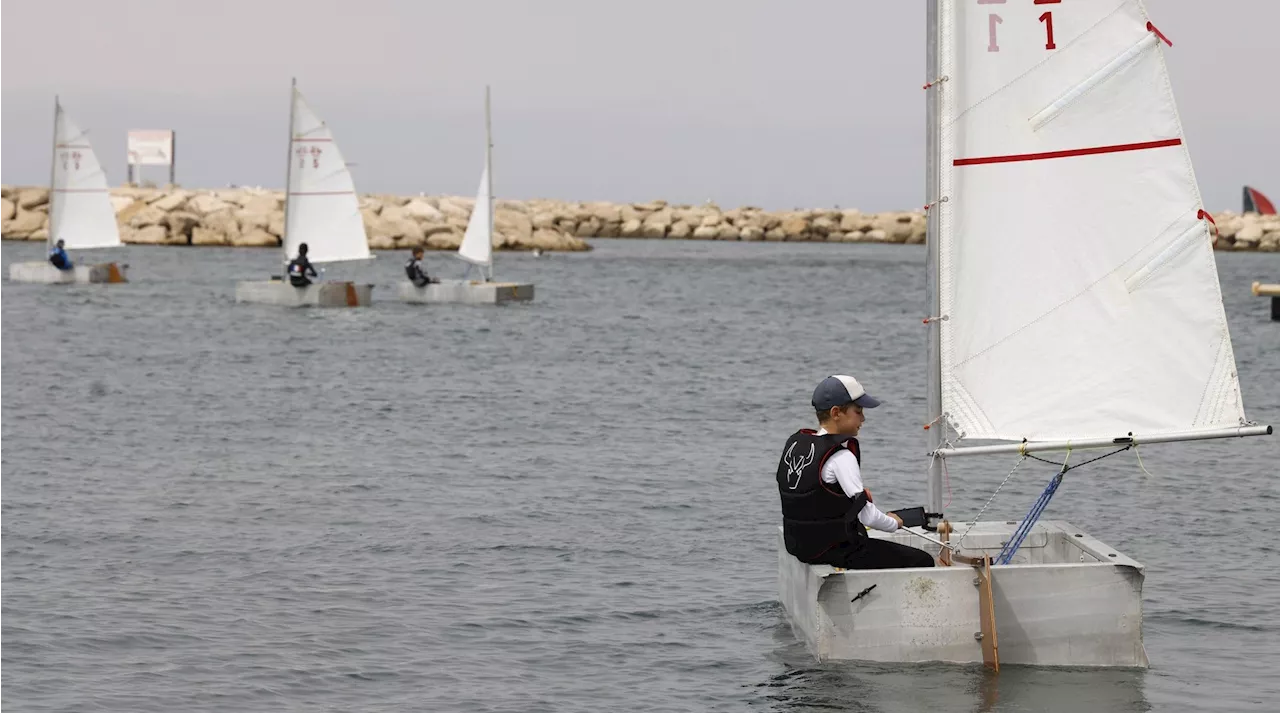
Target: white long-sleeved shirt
843, 468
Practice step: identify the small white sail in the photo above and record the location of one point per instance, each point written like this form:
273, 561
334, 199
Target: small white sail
1078, 289
477, 242
80, 211
323, 210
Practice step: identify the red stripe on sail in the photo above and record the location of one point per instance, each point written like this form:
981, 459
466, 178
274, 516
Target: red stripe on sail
1068, 153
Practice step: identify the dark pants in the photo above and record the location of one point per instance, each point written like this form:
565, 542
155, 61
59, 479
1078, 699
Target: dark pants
299, 281
874, 554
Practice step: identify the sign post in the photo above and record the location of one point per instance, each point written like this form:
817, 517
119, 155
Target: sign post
151, 148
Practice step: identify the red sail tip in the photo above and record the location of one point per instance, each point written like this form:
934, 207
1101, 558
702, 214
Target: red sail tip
1255, 202
1153, 28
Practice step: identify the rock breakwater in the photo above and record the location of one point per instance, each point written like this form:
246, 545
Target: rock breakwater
254, 217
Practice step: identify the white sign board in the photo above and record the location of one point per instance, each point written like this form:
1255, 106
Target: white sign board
151, 148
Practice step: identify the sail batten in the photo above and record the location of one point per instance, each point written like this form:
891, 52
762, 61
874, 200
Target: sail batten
323, 208
1075, 270
80, 211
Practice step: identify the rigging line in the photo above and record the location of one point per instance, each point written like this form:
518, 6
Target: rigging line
1073, 467
1138, 453
976, 520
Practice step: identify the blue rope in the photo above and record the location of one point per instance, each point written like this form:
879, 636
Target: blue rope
1024, 529
1011, 547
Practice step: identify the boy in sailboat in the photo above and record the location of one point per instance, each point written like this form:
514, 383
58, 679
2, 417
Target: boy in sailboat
300, 268
415, 272
58, 256
826, 509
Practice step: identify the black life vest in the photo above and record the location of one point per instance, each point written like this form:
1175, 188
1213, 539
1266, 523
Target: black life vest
413, 270
817, 516
298, 272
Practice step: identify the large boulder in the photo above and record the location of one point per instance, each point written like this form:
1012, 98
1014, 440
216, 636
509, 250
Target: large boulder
630, 229
419, 209
455, 208
172, 200
727, 232
824, 226
31, 198
657, 224
263, 204
711, 220
119, 203
517, 226
382, 242
850, 220
24, 223
205, 203
706, 232
1270, 242
554, 240
605, 212
150, 235
149, 215
255, 219
7, 209
200, 235
1249, 237
775, 234
794, 227
448, 239
125, 214
223, 221
181, 223
256, 238
751, 233
588, 228
680, 230
408, 233
276, 226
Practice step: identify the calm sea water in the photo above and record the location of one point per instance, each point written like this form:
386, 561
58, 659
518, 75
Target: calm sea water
565, 506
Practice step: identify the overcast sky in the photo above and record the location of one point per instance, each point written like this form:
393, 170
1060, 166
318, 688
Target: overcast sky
779, 104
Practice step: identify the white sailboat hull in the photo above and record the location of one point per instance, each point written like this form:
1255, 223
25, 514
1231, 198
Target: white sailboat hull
46, 274
1067, 600
319, 294
465, 292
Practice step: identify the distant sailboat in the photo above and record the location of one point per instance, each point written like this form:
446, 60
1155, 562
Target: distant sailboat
1255, 202
322, 210
476, 249
80, 211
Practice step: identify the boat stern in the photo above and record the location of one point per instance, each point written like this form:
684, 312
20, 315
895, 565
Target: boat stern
46, 274
319, 294
465, 292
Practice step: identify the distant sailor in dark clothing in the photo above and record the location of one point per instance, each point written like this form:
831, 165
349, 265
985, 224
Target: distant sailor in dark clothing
300, 269
826, 510
415, 272
58, 256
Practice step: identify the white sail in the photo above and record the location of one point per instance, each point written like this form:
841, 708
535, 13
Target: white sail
1078, 291
323, 209
477, 242
80, 211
